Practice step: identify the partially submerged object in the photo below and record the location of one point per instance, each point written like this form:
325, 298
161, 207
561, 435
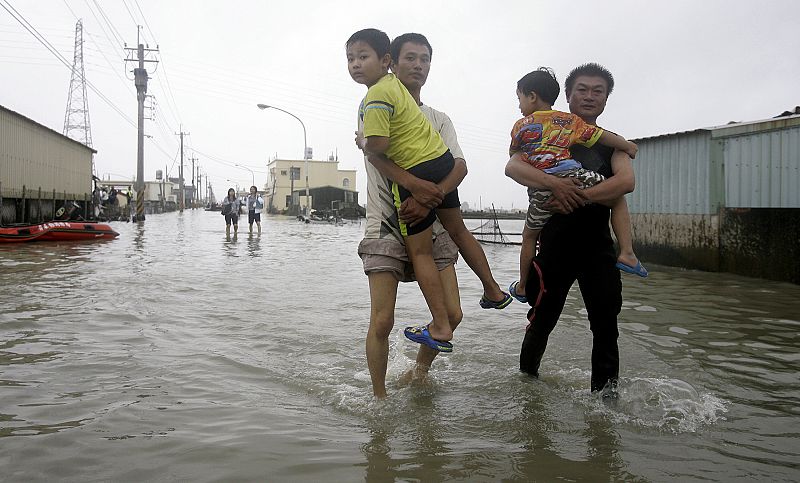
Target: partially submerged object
57, 231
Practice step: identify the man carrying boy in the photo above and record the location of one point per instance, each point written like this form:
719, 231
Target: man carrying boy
382, 249
542, 138
396, 132
585, 231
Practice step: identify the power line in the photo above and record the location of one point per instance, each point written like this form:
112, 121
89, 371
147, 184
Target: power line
111, 26
175, 112
30, 28
91, 37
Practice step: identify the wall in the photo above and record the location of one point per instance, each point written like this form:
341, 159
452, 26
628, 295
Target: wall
688, 241
35, 156
721, 199
761, 242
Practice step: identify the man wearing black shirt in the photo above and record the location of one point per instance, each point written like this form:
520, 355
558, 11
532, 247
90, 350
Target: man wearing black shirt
577, 244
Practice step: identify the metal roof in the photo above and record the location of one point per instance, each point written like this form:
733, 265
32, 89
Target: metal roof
737, 128
94, 151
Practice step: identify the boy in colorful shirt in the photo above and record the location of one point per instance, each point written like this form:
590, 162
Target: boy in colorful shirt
399, 140
542, 138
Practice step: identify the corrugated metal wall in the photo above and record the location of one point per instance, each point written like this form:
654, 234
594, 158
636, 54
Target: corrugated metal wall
673, 174
34, 156
762, 170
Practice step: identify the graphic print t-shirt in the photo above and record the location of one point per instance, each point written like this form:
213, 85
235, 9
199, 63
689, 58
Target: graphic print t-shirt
544, 137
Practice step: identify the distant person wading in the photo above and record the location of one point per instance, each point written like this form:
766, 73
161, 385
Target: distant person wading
230, 209
255, 203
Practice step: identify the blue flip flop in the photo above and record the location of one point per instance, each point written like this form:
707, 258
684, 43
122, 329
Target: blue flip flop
637, 270
512, 289
491, 304
420, 335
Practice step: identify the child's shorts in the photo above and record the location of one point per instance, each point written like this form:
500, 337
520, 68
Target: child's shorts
537, 215
434, 171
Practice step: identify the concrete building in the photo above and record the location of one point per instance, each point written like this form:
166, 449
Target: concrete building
286, 183
38, 163
725, 198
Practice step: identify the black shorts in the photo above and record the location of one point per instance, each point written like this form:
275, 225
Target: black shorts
434, 171
253, 216
232, 218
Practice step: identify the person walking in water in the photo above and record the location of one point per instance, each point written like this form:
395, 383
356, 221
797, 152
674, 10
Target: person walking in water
396, 134
230, 208
255, 203
582, 229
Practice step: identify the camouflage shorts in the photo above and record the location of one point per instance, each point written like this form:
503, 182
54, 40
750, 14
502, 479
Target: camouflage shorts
537, 215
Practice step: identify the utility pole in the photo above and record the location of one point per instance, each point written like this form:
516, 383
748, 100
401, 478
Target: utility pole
182, 201
194, 191
199, 185
164, 180
140, 81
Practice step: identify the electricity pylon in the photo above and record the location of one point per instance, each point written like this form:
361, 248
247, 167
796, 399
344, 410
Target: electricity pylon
76, 120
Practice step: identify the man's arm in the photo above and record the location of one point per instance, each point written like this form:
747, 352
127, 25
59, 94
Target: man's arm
566, 196
412, 212
426, 193
611, 189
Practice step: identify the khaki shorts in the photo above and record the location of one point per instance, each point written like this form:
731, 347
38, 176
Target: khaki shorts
389, 255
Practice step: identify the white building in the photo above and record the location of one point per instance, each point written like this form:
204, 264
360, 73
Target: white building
287, 176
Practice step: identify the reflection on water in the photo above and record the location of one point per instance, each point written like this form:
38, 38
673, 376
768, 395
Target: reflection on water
254, 245
175, 352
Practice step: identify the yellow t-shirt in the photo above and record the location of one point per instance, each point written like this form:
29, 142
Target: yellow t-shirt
388, 110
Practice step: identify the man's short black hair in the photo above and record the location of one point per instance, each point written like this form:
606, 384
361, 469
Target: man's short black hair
591, 69
377, 39
401, 40
543, 82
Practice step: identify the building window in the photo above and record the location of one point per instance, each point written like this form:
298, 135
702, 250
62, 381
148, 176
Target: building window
346, 183
284, 172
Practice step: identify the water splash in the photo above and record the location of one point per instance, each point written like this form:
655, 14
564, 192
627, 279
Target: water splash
665, 404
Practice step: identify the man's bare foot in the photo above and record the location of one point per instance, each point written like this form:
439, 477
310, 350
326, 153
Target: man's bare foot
416, 375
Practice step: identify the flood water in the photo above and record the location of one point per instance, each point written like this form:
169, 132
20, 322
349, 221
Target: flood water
172, 353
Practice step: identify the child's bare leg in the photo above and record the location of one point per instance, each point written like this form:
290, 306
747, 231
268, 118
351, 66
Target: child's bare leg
426, 355
621, 223
526, 254
471, 250
420, 251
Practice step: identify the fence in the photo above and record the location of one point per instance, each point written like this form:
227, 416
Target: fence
36, 206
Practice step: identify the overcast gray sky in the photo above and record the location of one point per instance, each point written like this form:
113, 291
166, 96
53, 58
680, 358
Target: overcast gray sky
678, 65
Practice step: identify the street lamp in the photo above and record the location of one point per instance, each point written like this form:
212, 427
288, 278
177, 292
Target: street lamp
251, 173
305, 145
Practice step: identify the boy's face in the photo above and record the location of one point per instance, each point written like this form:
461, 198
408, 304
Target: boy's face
413, 66
364, 65
526, 103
